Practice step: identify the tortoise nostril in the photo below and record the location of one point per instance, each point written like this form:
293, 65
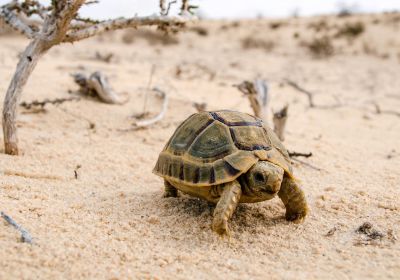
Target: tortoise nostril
259, 177
270, 191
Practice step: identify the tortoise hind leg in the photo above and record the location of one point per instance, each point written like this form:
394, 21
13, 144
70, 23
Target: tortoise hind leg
294, 200
226, 205
170, 190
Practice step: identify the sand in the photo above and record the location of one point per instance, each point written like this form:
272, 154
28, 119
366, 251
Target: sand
112, 222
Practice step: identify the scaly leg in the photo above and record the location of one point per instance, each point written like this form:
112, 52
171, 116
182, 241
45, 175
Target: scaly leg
294, 200
226, 206
170, 190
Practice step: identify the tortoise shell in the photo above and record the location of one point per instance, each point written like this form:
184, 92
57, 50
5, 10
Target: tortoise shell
211, 148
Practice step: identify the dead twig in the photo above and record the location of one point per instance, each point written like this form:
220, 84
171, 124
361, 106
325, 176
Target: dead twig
370, 234
331, 231
279, 120
310, 96
97, 84
165, 10
25, 235
57, 23
307, 164
200, 107
91, 125
257, 92
296, 154
189, 71
76, 171
152, 71
104, 57
379, 111
145, 123
41, 104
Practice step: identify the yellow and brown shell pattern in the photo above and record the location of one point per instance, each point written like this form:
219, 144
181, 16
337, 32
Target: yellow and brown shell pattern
211, 148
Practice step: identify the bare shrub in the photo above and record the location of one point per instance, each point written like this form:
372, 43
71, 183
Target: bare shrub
153, 37
320, 25
351, 30
320, 47
276, 25
257, 43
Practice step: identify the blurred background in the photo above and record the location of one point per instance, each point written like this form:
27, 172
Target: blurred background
239, 8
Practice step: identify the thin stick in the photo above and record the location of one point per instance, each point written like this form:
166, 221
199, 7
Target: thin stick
170, 5
86, 32
160, 116
98, 83
257, 93
307, 164
296, 154
310, 97
152, 71
41, 104
25, 235
279, 121
309, 94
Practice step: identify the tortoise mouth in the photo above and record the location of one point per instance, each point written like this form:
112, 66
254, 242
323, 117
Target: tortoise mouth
270, 192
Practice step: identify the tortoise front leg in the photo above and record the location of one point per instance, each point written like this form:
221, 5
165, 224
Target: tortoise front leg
170, 190
294, 200
226, 205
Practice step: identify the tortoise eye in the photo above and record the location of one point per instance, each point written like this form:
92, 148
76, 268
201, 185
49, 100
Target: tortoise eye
259, 177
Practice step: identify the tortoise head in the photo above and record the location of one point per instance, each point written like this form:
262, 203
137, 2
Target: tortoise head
264, 180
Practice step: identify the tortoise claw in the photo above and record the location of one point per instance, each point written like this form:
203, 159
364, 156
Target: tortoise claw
222, 229
296, 217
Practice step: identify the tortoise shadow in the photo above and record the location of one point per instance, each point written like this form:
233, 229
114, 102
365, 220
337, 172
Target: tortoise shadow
184, 215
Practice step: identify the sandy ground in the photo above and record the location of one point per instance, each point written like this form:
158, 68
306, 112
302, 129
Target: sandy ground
112, 222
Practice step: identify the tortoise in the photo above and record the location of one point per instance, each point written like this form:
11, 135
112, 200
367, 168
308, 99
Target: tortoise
228, 157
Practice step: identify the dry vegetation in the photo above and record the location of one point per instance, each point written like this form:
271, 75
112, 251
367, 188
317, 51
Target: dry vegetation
251, 42
81, 201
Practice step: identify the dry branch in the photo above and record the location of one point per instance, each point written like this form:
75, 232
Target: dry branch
306, 164
25, 235
144, 123
309, 94
257, 92
297, 154
97, 84
163, 22
58, 23
310, 97
200, 107
279, 121
379, 111
41, 104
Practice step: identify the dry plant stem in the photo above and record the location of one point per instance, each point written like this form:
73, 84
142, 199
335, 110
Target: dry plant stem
310, 97
61, 24
296, 154
54, 28
86, 32
309, 94
160, 116
152, 71
279, 121
25, 235
257, 92
307, 164
43, 103
99, 83
17, 23
25, 67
